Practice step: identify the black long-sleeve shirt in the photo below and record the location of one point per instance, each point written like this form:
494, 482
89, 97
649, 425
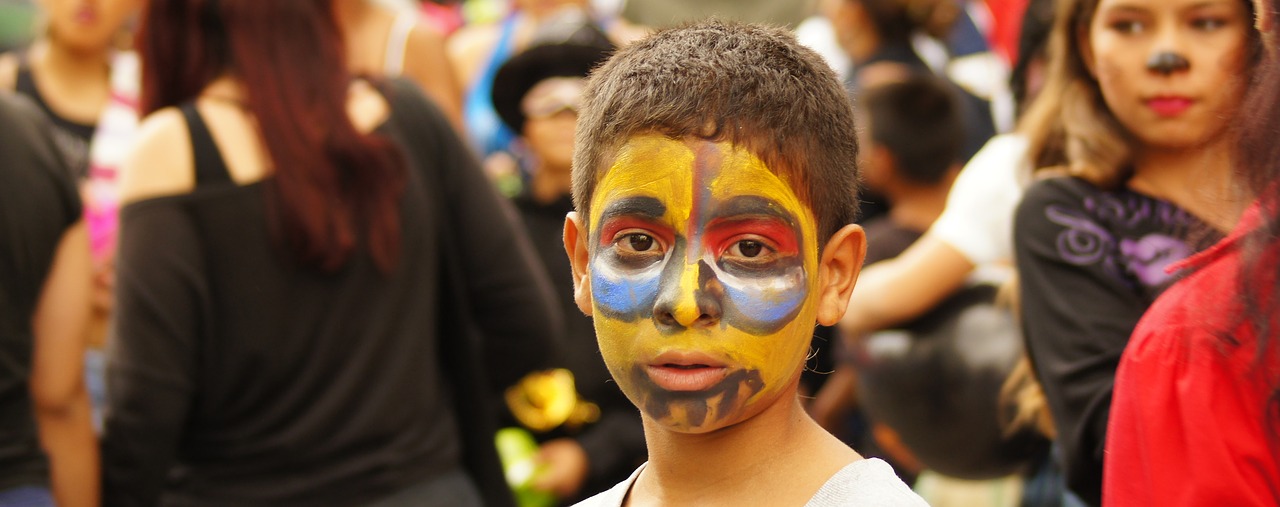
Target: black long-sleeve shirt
1090, 262
38, 202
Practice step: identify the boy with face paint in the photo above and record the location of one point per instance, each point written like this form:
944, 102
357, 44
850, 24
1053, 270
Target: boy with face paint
715, 186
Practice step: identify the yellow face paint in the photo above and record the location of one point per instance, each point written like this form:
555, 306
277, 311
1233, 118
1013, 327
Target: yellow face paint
703, 269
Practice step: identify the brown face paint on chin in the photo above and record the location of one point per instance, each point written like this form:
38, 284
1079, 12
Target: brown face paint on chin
728, 396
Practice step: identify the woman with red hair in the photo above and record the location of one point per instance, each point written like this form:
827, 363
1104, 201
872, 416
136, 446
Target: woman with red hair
301, 257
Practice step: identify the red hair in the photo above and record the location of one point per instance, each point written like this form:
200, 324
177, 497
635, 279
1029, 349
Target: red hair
330, 181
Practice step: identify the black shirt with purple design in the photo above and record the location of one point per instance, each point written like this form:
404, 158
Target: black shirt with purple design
1090, 262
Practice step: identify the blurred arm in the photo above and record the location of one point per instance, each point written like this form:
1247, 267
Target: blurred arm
61, 400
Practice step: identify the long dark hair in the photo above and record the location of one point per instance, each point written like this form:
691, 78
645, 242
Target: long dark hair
330, 184
1258, 166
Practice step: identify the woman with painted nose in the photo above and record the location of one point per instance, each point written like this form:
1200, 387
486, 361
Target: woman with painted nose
1143, 92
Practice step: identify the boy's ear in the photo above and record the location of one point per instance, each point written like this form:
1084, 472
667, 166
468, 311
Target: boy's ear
575, 245
838, 271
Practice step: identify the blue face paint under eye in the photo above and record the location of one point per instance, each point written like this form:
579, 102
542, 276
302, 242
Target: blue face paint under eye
626, 296
763, 306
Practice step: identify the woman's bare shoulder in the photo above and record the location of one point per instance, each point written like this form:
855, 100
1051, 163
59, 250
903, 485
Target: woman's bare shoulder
160, 163
8, 71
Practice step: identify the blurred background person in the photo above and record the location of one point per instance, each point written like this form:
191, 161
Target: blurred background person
383, 41
478, 50
1196, 408
878, 36
66, 70
912, 133
537, 93
974, 232
950, 363
1145, 91
974, 227
303, 259
48, 451
80, 71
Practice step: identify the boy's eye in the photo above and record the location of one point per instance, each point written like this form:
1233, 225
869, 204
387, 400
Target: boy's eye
747, 248
638, 242
750, 251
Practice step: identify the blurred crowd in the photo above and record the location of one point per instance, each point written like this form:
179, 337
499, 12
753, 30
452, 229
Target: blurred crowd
308, 252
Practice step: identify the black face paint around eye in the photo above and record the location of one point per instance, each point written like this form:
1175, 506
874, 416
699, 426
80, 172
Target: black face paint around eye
1167, 62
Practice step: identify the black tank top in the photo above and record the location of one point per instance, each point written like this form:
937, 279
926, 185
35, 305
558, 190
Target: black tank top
210, 167
72, 137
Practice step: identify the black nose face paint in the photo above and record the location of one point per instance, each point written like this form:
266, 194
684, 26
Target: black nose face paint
1166, 63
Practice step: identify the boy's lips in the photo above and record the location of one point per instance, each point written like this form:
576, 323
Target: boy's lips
686, 371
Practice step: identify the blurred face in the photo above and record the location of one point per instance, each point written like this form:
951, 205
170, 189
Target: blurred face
1177, 106
551, 112
87, 25
703, 268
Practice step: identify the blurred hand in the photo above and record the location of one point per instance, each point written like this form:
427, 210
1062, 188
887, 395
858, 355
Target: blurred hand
565, 467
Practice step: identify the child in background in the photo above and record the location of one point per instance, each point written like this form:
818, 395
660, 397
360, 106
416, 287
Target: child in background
912, 136
537, 93
715, 187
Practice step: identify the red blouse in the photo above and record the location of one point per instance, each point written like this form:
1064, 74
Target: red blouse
1188, 422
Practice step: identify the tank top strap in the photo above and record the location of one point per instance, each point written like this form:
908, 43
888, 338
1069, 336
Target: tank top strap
210, 167
25, 82
398, 43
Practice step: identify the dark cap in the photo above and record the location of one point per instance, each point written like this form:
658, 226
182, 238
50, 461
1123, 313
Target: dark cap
564, 46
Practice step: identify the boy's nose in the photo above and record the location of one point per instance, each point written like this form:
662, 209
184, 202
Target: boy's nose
689, 297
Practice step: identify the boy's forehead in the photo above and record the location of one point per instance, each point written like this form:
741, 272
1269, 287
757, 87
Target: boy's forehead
685, 172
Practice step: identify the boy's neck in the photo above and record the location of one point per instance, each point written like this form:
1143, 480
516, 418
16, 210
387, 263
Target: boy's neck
781, 454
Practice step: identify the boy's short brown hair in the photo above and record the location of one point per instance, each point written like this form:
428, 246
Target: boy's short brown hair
751, 85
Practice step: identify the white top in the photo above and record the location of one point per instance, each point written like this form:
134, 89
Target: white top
978, 219
869, 482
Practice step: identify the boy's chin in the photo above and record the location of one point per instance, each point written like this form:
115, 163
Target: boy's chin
730, 402
682, 423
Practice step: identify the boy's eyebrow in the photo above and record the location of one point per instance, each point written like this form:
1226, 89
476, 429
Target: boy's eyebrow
754, 205
643, 206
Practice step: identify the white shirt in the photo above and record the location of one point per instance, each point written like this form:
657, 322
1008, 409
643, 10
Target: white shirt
869, 482
978, 219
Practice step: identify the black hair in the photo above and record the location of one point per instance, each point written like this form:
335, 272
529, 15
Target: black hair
918, 121
750, 85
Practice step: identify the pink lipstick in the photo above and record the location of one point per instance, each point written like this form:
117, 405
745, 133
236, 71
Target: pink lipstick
1169, 106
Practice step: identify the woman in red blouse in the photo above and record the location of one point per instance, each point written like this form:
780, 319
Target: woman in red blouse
1195, 419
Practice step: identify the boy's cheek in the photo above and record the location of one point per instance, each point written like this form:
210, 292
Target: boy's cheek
622, 294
